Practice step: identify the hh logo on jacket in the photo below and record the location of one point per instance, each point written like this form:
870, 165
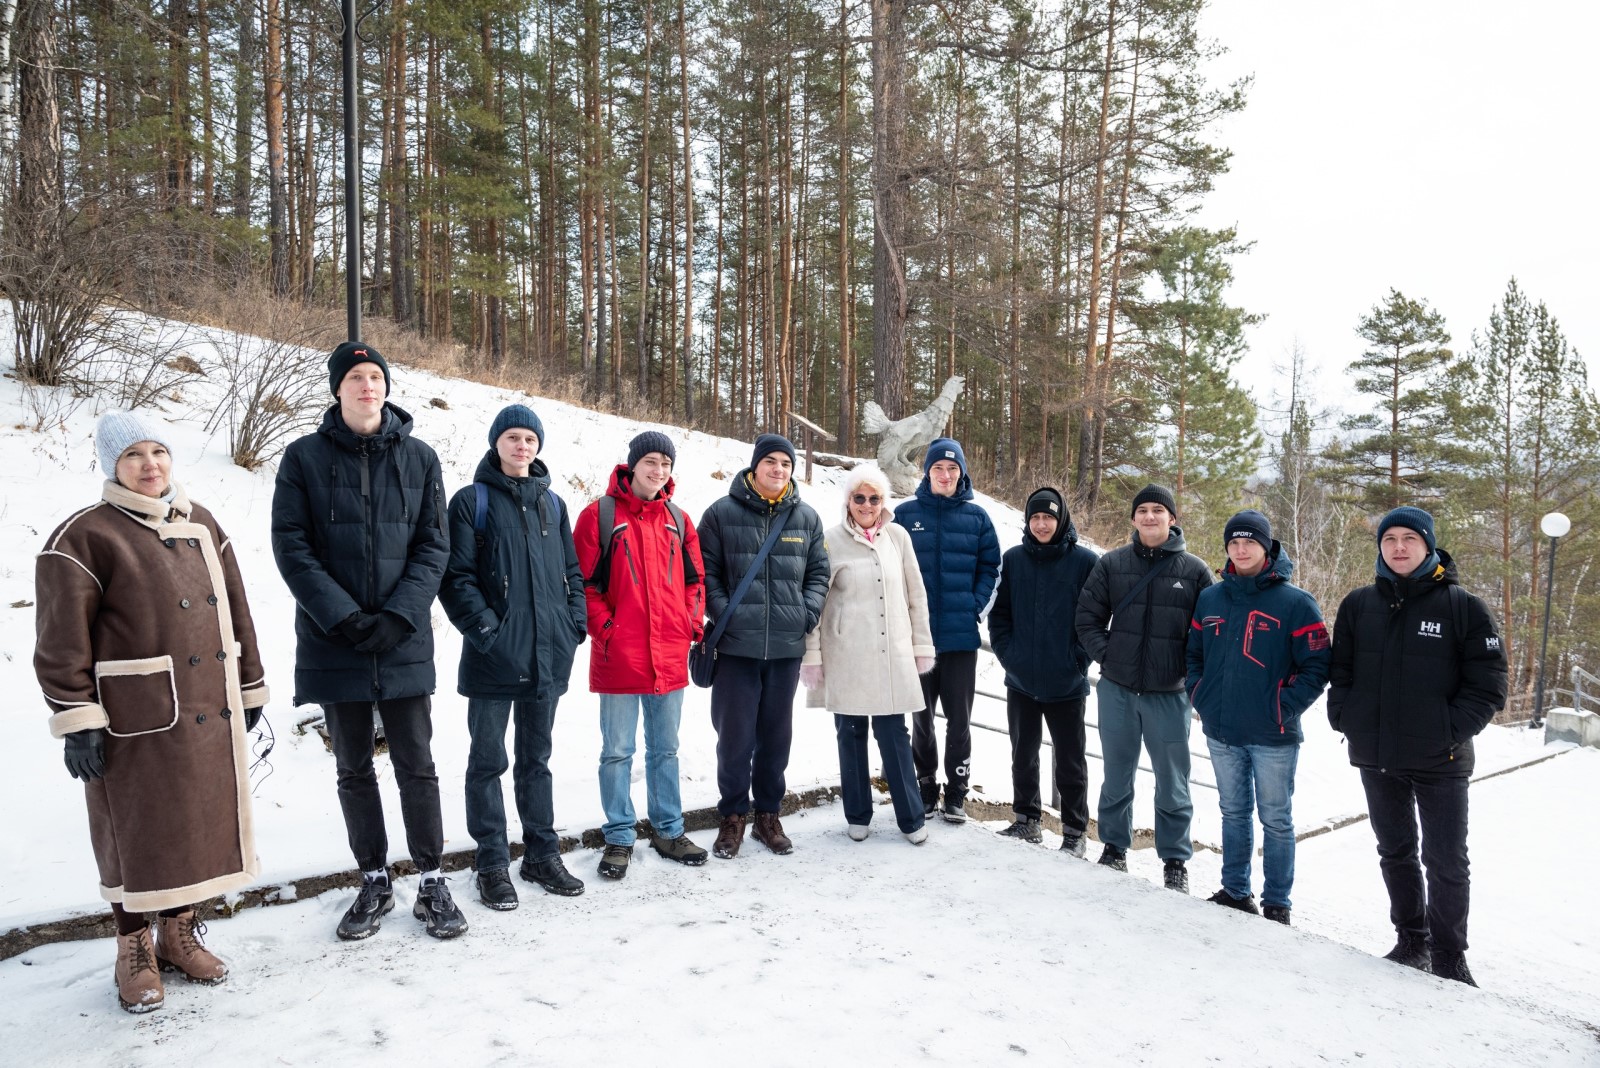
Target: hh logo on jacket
1430, 629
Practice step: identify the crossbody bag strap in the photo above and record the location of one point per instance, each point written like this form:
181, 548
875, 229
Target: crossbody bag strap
744, 583
1149, 576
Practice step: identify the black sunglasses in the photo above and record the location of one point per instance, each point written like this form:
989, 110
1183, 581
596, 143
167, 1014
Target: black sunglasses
862, 498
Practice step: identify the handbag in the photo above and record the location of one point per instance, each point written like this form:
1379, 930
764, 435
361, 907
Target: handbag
703, 653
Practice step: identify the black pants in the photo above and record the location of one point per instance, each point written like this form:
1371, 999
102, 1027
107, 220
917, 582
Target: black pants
1027, 718
752, 709
408, 728
951, 684
1395, 802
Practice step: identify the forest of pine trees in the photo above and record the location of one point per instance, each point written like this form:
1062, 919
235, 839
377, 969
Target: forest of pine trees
720, 213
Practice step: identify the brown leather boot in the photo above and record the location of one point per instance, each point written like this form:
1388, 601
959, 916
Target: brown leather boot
139, 986
769, 832
179, 949
729, 837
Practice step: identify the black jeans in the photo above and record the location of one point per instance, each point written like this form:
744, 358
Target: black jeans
1395, 802
951, 683
752, 709
408, 728
1027, 718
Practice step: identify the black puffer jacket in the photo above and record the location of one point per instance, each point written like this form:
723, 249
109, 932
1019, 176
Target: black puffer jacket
784, 602
358, 525
1417, 672
517, 599
1031, 622
1143, 649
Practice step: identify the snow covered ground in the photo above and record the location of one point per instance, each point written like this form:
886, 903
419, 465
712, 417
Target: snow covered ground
971, 949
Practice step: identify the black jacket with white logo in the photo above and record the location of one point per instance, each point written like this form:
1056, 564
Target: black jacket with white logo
1417, 672
1144, 649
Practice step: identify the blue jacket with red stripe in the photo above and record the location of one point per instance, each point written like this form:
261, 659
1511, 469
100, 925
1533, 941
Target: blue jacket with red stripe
1258, 655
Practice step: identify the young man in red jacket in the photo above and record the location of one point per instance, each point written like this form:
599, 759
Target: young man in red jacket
646, 605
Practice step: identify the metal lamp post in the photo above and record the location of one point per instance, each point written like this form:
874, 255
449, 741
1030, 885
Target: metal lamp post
352, 177
1555, 526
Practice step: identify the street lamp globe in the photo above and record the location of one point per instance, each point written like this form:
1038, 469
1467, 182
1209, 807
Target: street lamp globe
1555, 525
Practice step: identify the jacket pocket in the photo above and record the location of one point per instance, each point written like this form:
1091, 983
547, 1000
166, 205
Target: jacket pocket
139, 696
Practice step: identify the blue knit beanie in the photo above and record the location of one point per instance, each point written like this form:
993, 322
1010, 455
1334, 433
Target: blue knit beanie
944, 449
1412, 519
767, 444
648, 442
115, 431
515, 416
1249, 524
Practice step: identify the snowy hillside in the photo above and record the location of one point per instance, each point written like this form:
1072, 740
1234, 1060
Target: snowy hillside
972, 950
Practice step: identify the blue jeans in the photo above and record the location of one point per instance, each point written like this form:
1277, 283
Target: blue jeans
855, 783
1161, 721
487, 718
1253, 778
619, 729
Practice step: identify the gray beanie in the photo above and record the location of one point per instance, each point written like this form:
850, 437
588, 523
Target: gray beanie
516, 417
648, 442
115, 431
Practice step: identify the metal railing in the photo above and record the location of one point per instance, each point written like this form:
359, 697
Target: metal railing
1579, 695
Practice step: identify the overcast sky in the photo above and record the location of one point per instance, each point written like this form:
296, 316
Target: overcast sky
1436, 147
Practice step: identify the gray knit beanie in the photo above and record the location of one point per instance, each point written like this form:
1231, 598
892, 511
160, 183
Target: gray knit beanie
115, 431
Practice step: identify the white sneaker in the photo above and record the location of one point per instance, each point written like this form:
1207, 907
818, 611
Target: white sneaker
857, 831
918, 836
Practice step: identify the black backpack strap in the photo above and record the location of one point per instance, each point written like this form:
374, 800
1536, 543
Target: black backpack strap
606, 508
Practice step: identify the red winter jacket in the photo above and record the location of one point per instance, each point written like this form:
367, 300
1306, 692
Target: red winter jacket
653, 606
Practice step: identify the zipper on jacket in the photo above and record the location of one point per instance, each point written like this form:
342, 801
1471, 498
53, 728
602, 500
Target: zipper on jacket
672, 557
333, 487
627, 554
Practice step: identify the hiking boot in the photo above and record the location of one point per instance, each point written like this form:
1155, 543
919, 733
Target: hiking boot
1073, 845
179, 949
954, 811
918, 836
1277, 914
1114, 858
138, 978
438, 910
681, 849
769, 832
496, 890
1175, 876
551, 874
365, 915
614, 860
1025, 829
1412, 951
730, 836
1243, 904
1449, 965
857, 831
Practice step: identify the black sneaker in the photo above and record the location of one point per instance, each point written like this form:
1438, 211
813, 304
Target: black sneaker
930, 799
551, 874
1025, 829
614, 860
438, 910
1412, 951
1277, 914
496, 890
1114, 858
1175, 876
373, 902
1243, 904
953, 811
1073, 845
1448, 965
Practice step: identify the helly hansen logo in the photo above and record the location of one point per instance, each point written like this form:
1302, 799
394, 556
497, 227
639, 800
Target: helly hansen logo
1491, 643
1430, 629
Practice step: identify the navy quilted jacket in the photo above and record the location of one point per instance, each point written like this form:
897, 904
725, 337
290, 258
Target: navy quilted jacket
959, 555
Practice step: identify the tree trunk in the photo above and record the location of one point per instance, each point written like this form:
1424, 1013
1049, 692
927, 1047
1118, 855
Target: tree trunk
277, 191
891, 188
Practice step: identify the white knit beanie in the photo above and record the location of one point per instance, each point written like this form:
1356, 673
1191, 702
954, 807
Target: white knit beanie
115, 431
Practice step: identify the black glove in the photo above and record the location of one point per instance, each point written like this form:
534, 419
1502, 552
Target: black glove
355, 627
386, 631
252, 716
86, 754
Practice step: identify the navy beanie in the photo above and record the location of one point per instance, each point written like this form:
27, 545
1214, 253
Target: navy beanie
767, 444
1249, 524
1154, 494
512, 417
347, 356
1412, 519
944, 449
648, 442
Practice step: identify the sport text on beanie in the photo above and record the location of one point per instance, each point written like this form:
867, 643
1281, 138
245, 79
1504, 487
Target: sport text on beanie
1249, 524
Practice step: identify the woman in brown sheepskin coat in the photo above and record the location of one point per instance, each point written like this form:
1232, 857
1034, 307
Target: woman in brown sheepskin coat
147, 658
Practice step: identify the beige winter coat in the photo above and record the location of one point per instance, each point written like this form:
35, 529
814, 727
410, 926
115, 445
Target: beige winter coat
874, 625
143, 630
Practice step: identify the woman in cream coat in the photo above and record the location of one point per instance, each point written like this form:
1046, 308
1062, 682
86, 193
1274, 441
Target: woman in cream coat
863, 658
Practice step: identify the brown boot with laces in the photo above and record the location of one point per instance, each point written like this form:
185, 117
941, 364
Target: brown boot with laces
139, 986
179, 949
730, 836
769, 832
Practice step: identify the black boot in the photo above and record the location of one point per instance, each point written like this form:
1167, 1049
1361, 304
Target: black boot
930, 797
1243, 904
1412, 951
496, 890
1277, 914
1114, 857
551, 874
1451, 965
1175, 876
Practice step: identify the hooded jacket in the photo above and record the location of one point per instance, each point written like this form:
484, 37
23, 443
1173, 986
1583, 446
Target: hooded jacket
1258, 655
785, 600
358, 525
1417, 672
1144, 648
653, 605
1031, 622
518, 598
959, 555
